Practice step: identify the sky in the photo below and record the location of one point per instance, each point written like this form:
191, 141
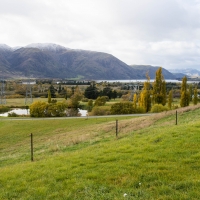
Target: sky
162, 33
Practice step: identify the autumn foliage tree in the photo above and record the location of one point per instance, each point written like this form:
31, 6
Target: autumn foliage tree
195, 97
135, 101
159, 88
185, 95
145, 96
170, 99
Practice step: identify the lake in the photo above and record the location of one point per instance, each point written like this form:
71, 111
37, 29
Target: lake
19, 111
143, 80
136, 81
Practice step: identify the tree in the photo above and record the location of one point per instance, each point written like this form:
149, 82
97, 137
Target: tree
52, 90
145, 98
195, 98
185, 95
135, 101
100, 101
38, 109
78, 93
190, 92
107, 91
170, 99
59, 88
49, 96
74, 102
91, 92
90, 105
114, 94
159, 88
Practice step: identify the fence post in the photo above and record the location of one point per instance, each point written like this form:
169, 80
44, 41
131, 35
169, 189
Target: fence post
176, 117
116, 128
31, 147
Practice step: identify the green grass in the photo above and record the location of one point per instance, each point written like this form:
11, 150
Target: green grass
160, 161
21, 101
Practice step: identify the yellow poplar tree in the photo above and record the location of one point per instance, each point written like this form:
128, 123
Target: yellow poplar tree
159, 88
145, 98
195, 99
170, 99
135, 101
185, 95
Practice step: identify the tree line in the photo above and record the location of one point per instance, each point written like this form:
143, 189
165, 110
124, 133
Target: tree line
153, 97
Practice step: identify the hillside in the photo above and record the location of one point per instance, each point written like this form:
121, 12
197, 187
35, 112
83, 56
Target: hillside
143, 69
55, 61
152, 159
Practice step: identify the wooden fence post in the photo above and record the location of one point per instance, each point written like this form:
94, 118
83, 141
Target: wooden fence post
176, 117
116, 128
31, 147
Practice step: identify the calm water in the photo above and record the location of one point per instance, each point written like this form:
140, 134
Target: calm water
17, 111
26, 112
136, 81
143, 80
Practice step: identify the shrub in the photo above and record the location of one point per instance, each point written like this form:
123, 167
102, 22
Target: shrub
13, 114
100, 110
85, 100
56, 109
140, 110
4, 109
158, 108
122, 108
100, 101
43, 109
53, 101
38, 109
14, 96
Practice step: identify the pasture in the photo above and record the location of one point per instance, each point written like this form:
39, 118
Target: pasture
152, 158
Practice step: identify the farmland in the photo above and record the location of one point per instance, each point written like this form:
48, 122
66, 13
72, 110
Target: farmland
152, 158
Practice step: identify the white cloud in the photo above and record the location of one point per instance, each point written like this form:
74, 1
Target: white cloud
164, 33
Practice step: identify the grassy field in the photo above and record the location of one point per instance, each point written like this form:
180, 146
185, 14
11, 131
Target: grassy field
16, 102
152, 158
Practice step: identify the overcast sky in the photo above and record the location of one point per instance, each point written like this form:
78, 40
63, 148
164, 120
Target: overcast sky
155, 32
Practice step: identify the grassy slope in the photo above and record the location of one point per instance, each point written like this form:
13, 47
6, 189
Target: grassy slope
158, 161
21, 101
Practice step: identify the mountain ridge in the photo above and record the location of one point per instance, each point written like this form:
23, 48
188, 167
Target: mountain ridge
48, 60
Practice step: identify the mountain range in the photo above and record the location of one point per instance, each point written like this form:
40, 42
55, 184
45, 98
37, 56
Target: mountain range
193, 73
55, 61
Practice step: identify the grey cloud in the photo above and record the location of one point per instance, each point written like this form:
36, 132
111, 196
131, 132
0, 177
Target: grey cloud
157, 32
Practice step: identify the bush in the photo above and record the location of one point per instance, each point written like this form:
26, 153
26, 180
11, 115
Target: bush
43, 109
100, 110
100, 101
38, 109
122, 108
13, 114
140, 110
85, 100
53, 101
4, 109
158, 108
15, 96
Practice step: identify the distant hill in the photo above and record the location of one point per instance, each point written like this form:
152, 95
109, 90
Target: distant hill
143, 69
179, 75
55, 61
187, 72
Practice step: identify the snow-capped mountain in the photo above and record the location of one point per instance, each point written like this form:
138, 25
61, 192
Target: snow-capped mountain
188, 72
46, 46
5, 47
41, 46
47, 60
